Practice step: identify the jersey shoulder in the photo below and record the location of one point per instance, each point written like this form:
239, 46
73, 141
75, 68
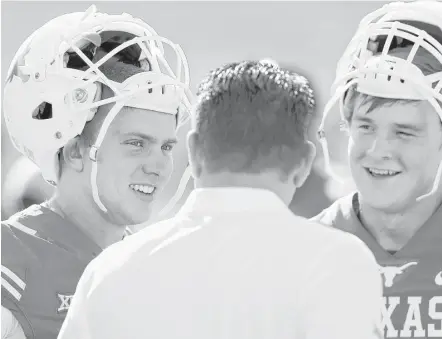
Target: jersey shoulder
340, 214
20, 259
33, 268
24, 239
19, 253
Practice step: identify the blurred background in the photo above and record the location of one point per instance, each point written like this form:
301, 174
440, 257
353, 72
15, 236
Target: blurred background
307, 37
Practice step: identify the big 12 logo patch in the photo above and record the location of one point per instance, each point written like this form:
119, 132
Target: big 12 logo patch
64, 302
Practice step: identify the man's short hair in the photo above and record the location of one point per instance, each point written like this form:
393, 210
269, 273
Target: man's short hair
249, 114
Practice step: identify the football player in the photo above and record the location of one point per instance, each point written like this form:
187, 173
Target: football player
91, 99
389, 82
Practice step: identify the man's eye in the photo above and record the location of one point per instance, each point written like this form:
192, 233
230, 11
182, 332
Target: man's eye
366, 127
405, 135
167, 147
136, 143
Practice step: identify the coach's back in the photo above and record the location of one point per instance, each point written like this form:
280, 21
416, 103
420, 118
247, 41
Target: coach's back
234, 263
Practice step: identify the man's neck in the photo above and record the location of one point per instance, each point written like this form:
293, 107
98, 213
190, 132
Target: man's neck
267, 181
85, 215
393, 230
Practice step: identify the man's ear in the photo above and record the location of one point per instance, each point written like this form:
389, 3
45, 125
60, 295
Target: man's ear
192, 149
73, 154
304, 169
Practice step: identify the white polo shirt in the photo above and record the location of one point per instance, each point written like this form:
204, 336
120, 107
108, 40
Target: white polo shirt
234, 263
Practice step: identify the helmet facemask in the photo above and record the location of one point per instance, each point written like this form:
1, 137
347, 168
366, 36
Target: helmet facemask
380, 61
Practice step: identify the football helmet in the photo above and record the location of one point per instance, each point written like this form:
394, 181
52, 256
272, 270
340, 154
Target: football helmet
54, 83
370, 68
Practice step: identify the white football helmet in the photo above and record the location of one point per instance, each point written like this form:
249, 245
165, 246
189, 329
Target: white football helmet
54, 83
368, 65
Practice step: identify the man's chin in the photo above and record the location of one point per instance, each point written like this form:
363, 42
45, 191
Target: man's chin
140, 219
385, 202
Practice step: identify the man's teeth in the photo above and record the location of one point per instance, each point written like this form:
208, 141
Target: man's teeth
381, 172
143, 188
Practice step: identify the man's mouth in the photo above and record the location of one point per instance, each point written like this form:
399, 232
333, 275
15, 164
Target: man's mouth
144, 189
381, 173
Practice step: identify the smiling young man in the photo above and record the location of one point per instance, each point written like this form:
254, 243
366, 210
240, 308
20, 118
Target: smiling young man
392, 76
98, 114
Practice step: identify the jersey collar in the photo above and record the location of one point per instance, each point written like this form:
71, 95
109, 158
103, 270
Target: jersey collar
64, 233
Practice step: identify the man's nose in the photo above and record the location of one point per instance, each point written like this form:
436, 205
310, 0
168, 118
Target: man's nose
155, 163
381, 147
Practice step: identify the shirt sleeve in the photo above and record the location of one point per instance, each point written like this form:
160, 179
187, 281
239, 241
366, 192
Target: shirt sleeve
344, 296
11, 328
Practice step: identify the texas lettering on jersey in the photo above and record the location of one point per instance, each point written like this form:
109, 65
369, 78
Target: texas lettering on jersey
412, 277
408, 315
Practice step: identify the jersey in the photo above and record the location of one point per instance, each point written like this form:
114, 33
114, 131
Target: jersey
412, 276
43, 258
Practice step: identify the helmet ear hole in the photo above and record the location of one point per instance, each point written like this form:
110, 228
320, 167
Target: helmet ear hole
43, 111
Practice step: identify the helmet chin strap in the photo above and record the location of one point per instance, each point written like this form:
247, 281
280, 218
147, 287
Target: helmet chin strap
436, 184
94, 150
438, 176
321, 133
178, 194
181, 186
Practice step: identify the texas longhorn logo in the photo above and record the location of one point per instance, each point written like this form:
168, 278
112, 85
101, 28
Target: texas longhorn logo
391, 272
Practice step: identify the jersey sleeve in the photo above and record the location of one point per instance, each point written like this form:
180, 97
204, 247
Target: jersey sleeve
11, 328
344, 296
17, 262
